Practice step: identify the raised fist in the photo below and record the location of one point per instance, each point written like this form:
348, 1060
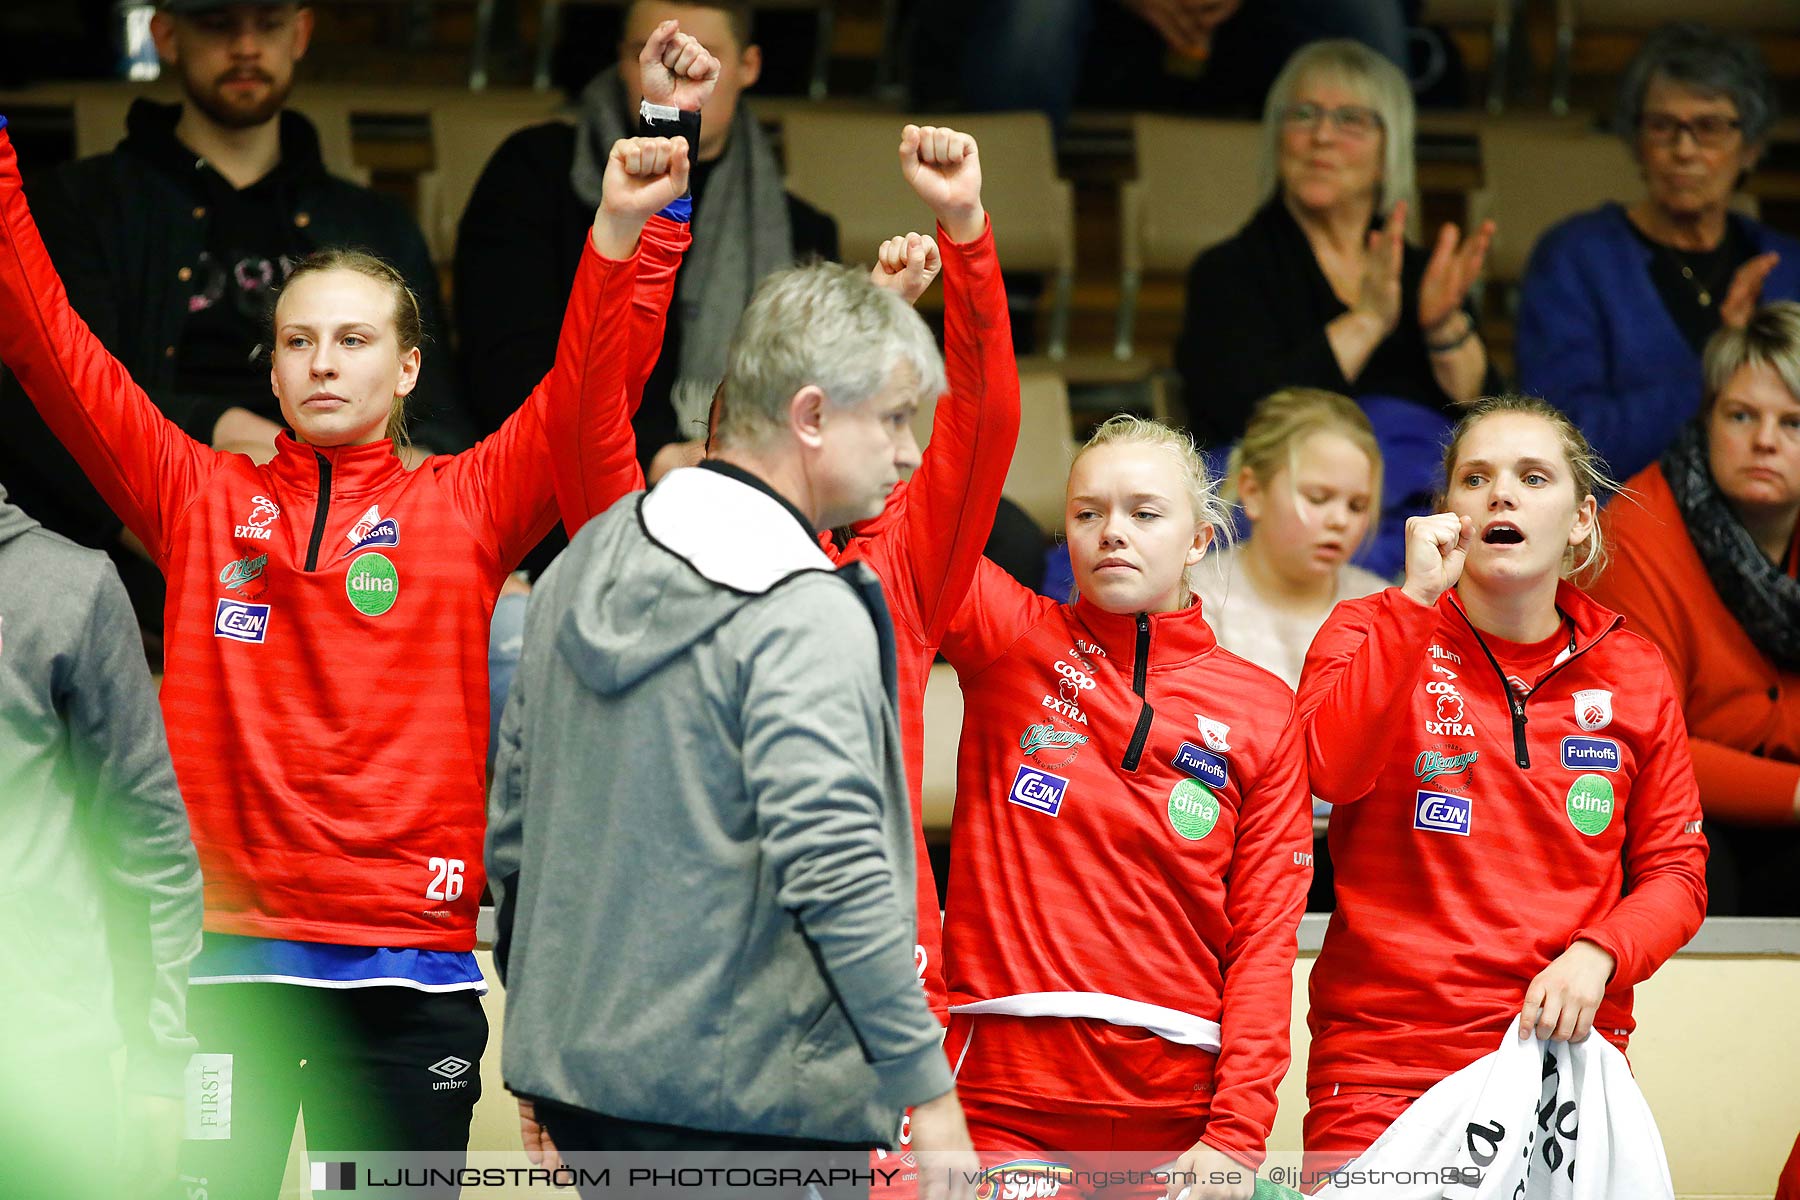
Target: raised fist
675, 69
944, 168
643, 176
907, 264
1436, 547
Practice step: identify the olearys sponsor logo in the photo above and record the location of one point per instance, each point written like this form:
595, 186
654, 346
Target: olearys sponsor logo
263, 512
236, 574
1442, 812
1438, 652
1193, 809
1430, 764
1203, 765
1590, 804
1590, 754
451, 1068
241, 621
372, 584
1039, 790
1045, 743
1448, 709
1593, 709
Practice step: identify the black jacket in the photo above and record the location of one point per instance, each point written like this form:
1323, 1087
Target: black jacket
1257, 307
120, 228
516, 253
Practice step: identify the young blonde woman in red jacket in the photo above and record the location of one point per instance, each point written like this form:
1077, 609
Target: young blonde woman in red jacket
1131, 845
326, 648
1517, 830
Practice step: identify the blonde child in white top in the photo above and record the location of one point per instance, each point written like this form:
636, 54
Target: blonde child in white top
1308, 476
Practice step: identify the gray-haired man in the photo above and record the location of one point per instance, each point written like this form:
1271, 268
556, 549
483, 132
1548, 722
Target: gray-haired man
699, 834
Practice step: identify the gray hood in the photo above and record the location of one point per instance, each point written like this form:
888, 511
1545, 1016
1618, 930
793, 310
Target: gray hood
720, 540
13, 521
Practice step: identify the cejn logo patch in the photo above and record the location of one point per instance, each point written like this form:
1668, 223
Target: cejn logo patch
1039, 790
241, 621
1442, 812
1590, 754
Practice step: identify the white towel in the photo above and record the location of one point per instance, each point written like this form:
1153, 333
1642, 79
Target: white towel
1534, 1120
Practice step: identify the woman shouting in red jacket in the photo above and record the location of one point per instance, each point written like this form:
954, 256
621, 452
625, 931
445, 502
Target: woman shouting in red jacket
1517, 841
326, 647
1131, 845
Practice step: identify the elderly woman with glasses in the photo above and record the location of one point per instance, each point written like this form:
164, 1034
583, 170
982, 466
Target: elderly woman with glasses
1320, 289
1617, 304
1707, 566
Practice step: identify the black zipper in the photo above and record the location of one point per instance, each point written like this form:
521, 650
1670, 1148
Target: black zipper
1521, 752
319, 511
1140, 670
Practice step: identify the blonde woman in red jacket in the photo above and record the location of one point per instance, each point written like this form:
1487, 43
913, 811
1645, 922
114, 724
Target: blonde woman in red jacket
326, 649
1131, 846
1517, 830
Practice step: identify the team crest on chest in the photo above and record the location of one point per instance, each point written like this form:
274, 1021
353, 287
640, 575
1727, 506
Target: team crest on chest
1593, 709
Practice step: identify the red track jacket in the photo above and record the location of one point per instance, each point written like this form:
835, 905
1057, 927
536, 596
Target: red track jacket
326, 630
928, 541
1475, 840
1132, 849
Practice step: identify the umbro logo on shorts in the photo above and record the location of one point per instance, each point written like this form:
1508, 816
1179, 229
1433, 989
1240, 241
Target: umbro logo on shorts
449, 1067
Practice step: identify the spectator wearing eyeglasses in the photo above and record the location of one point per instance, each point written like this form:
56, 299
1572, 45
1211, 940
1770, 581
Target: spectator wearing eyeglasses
1321, 289
1618, 303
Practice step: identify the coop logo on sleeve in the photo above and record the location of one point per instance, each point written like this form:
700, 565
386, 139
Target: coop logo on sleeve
1593, 709
1038, 790
240, 621
1447, 707
262, 514
372, 584
1442, 812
